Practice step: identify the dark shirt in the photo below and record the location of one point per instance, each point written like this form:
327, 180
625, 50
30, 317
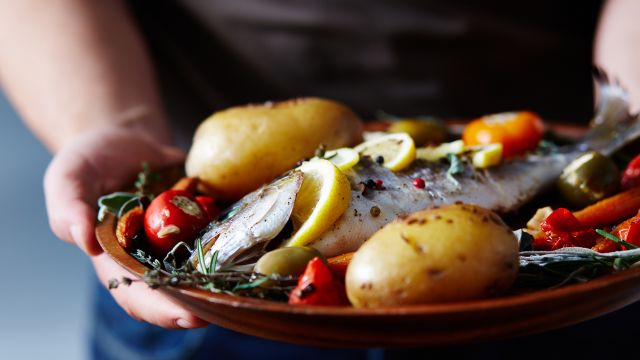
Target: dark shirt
461, 58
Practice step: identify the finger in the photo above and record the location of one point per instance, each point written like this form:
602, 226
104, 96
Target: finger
71, 217
144, 303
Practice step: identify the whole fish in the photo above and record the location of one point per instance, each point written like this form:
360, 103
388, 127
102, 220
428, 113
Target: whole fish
258, 221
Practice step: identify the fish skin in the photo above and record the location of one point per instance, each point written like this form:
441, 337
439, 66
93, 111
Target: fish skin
503, 188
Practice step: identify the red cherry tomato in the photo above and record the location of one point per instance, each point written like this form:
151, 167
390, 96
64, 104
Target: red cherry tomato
318, 286
518, 132
173, 216
631, 175
209, 205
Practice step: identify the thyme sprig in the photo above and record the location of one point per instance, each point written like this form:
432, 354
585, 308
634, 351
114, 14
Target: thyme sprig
120, 202
226, 280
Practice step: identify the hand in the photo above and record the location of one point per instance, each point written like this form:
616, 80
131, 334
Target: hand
95, 163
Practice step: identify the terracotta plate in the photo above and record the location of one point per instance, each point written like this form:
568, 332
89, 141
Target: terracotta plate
418, 325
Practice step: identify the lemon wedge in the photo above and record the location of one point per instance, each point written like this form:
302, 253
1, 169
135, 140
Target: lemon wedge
324, 196
343, 158
397, 150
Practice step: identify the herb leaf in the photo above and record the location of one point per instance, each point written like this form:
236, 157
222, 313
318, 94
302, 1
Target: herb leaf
559, 267
456, 167
112, 203
201, 263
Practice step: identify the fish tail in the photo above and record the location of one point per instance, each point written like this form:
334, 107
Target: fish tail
613, 125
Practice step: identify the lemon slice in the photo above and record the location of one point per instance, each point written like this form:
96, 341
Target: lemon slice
397, 150
490, 155
323, 197
441, 151
343, 158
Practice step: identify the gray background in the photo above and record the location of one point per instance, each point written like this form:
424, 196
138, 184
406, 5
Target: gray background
44, 282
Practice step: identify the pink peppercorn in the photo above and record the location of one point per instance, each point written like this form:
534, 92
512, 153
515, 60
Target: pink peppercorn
419, 183
379, 184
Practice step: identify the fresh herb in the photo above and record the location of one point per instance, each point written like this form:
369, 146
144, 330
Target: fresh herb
240, 280
146, 259
455, 167
547, 147
616, 239
113, 202
119, 203
544, 269
227, 282
144, 180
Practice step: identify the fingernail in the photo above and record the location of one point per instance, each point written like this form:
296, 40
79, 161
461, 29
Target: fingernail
183, 323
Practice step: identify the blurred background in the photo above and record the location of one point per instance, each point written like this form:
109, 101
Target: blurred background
44, 296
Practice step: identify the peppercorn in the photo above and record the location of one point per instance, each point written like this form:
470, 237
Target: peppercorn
370, 184
380, 159
418, 183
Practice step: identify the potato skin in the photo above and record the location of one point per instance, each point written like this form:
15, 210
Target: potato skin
237, 150
451, 253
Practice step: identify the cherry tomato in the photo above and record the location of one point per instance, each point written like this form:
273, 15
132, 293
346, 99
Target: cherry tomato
518, 132
173, 216
209, 205
631, 175
318, 286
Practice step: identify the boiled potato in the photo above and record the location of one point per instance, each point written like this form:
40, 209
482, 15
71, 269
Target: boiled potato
450, 253
236, 150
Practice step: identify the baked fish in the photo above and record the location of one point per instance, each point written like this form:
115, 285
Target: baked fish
259, 221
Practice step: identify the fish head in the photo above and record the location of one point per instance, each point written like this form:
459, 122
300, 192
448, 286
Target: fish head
242, 233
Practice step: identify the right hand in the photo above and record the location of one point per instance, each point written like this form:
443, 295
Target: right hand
98, 162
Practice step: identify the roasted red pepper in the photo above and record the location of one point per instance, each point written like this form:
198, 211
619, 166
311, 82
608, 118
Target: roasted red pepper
629, 231
318, 286
562, 229
631, 175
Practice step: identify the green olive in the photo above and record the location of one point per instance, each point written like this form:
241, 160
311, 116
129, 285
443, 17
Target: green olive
589, 178
423, 131
286, 261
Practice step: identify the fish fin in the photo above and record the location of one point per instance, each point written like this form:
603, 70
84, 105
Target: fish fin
613, 125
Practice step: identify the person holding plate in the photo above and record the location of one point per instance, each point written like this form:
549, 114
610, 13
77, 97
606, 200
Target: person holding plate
106, 85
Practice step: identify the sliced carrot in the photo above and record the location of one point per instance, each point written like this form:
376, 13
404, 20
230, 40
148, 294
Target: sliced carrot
338, 264
611, 210
604, 246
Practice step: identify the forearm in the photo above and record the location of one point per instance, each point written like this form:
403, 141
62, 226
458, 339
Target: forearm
617, 48
73, 65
